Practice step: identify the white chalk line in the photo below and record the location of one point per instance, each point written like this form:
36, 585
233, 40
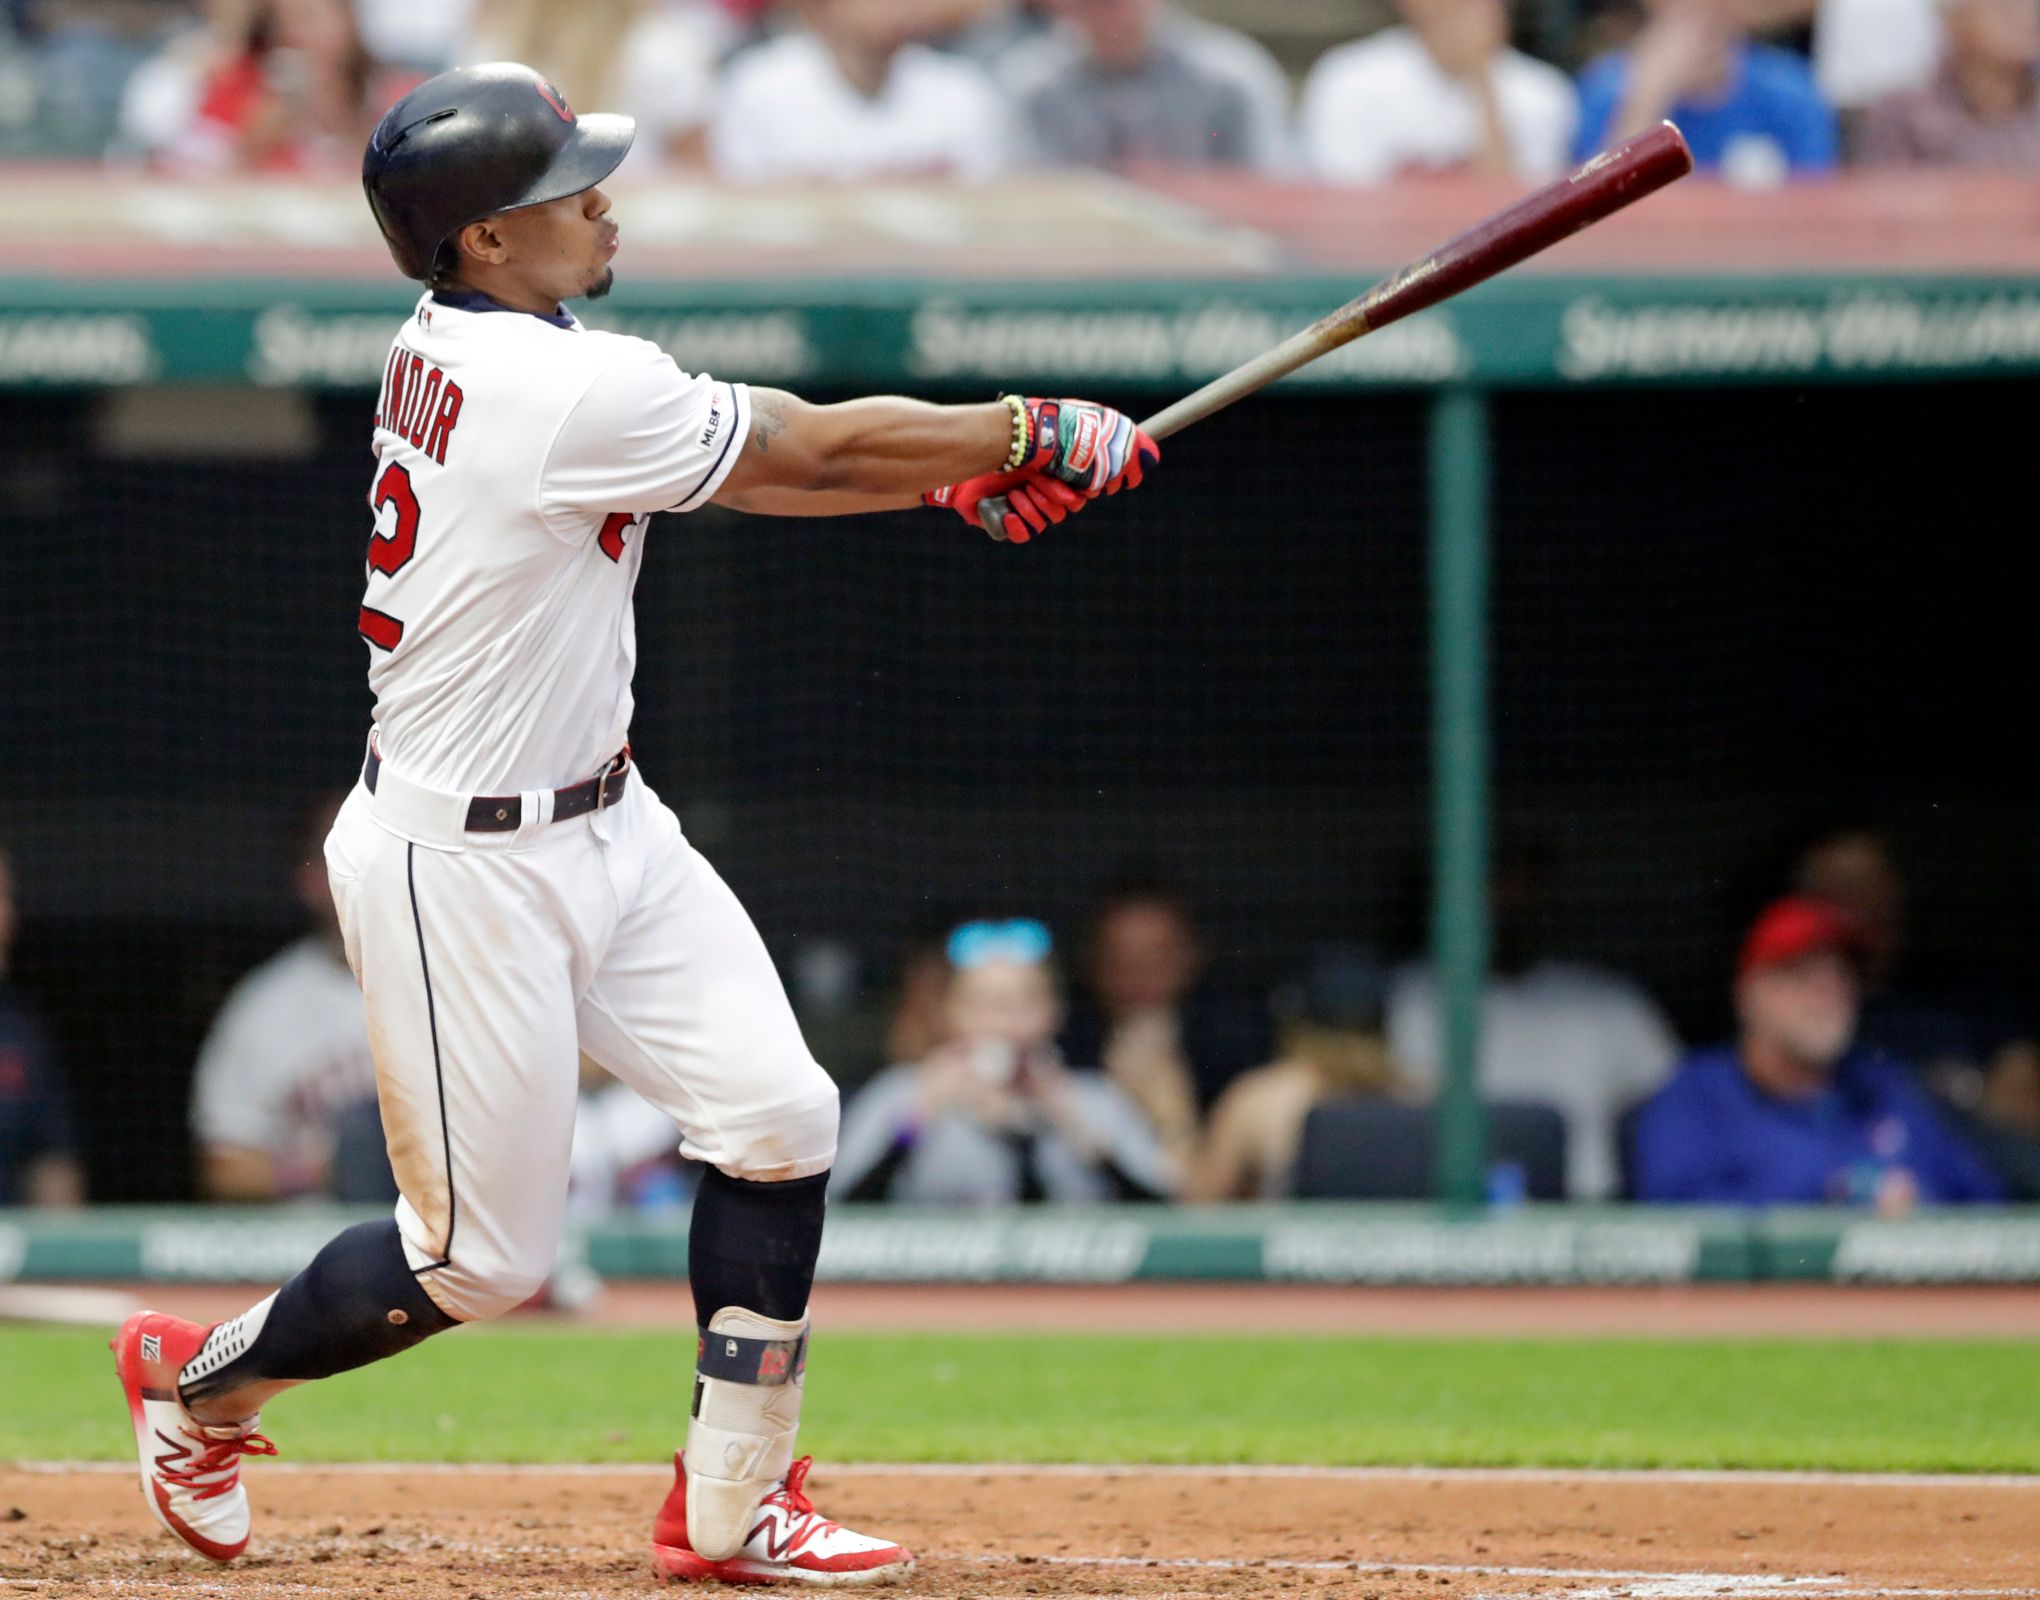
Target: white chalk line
1643, 1585
1729, 1476
1613, 1583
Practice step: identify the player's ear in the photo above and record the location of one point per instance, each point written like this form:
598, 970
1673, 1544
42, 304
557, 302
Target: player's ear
482, 241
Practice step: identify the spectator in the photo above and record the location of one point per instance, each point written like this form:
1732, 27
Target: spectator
654, 60
919, 1018
1443, 91
287, 1058
1148, 1013
1967, 1039
993, 1115
851, 96
983, 30
1576, 1037
1948, 1022
1750, 111
1134, 82
626, 1154
39, 1163
1864, 50
2012, 1097
422, 36
579, 47
266, 86
1793, 1113
1332, 1045
1982, 108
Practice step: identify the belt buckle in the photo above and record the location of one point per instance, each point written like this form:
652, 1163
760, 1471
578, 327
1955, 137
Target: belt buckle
602, 786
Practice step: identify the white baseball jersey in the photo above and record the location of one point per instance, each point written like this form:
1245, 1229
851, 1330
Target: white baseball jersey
518, 458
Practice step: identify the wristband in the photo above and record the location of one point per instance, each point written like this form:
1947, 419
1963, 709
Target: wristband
1023, 444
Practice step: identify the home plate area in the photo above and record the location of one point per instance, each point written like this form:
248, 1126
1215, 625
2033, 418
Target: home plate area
485, 1533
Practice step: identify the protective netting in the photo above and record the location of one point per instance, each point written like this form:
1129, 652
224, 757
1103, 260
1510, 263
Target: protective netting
1718, 617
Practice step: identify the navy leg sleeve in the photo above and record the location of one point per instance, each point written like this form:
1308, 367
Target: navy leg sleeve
357, 1302
754, 1245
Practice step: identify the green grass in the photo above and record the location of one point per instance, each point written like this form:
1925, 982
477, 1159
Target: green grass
570, 1395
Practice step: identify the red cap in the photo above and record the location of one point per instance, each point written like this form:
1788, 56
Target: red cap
1793, 928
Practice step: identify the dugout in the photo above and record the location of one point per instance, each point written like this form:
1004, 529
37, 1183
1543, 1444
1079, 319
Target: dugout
1702, 530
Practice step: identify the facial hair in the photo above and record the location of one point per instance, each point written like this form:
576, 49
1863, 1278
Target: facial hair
603, 284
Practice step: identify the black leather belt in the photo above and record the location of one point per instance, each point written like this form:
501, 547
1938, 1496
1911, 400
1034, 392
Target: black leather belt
505, 813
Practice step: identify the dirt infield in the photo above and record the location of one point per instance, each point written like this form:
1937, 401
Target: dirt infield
490, 1534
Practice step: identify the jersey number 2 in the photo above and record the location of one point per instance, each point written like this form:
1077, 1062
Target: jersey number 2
387, 552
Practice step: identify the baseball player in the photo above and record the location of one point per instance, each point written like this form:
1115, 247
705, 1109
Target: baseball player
510, 889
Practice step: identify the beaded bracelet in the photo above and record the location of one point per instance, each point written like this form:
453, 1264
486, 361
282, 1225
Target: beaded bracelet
1023, 445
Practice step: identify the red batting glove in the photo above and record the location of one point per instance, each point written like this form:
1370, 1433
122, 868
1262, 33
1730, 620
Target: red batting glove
1092, 448
1033, 502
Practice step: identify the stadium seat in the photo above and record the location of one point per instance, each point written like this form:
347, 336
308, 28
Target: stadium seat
1366, 1149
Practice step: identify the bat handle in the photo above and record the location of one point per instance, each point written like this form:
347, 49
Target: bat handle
993, 511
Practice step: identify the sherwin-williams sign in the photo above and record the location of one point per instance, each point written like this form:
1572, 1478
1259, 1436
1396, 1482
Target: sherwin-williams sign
1155, 336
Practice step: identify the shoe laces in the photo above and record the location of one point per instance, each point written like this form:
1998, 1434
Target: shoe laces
792, 1494
219, 1460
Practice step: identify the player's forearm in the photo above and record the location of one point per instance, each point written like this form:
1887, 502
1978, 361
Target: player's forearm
878, 454
808, 503
888, 446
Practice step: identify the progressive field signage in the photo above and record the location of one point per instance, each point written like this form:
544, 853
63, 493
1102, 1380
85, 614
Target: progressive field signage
1157, 336
1322, 1244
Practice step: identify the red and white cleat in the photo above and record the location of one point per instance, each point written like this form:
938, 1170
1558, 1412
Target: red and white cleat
790, 1542
191, 1473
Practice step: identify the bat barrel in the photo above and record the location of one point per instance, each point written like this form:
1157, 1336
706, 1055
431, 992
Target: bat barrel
1618, 177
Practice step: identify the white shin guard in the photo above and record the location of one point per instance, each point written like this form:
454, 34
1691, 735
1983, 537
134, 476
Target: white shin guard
747, 1390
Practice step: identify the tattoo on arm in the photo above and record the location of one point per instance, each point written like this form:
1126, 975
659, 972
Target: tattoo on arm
768, 417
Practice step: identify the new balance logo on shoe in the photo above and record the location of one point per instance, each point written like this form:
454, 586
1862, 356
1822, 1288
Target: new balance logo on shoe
788, 1541
152, 1347
169, 1460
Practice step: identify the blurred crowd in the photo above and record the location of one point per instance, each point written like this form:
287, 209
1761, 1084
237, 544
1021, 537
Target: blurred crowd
844, 90
998, 1066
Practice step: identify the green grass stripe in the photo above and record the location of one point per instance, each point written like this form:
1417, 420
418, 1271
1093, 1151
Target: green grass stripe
544, 1394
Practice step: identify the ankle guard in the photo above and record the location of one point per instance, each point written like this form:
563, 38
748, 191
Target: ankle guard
747, 1389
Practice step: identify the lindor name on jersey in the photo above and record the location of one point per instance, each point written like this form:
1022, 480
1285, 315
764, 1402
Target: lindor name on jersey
518, 460
419, 402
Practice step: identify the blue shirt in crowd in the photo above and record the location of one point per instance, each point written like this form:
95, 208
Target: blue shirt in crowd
35, 1120
1712, 1136
1771, 97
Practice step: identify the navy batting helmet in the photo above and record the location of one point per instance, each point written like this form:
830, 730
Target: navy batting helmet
475, 141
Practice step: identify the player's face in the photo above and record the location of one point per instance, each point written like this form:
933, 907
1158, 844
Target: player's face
562, 249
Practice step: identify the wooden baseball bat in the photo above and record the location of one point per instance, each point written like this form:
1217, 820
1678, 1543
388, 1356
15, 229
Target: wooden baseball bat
1616, 178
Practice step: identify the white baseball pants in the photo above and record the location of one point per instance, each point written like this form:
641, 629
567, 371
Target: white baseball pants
488, 962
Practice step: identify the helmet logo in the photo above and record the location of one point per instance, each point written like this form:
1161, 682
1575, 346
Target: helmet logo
555, 99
